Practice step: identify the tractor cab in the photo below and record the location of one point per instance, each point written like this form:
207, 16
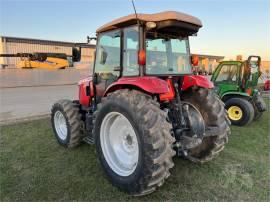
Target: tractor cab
148, 45
227, 76
237, 76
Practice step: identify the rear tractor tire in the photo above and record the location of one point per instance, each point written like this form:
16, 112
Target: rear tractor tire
240, 111
216, 123
66, 123
133, 141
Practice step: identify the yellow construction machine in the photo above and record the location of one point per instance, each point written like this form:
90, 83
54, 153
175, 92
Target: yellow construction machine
50, 61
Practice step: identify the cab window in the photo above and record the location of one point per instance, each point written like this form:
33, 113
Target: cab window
130, 51
228, 73
108, 54
167, 56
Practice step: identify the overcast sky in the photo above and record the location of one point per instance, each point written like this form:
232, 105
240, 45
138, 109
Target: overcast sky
230, 27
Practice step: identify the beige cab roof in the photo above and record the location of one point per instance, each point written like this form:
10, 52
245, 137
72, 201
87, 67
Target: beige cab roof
156, 17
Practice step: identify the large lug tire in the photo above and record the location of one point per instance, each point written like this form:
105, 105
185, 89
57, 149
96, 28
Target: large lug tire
240, 111
66, 123
138, 170
216, 124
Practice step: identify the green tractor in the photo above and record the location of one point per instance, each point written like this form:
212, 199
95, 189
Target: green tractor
235, 83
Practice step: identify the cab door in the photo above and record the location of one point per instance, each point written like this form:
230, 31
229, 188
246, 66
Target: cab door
226, 78
108, 61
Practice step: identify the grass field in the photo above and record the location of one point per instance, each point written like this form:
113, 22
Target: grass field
34, 167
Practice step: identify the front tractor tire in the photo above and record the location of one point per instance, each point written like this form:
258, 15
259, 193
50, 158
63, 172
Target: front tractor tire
133, 141
240, 111
66, 123
216, 123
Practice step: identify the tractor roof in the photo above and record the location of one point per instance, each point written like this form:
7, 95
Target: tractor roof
157, 17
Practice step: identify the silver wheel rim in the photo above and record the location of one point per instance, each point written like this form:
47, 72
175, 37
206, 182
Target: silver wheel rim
119, 144
60, 125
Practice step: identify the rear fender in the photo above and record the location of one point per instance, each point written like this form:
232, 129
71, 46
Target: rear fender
228, 95
196, 80
151, 85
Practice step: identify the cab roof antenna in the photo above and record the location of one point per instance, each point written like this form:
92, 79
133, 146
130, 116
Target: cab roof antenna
135, 12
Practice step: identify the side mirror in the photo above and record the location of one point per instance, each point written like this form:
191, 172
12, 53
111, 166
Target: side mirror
194, 60
103, 56
76, 54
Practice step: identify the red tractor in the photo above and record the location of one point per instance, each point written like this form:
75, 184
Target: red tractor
143, 105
